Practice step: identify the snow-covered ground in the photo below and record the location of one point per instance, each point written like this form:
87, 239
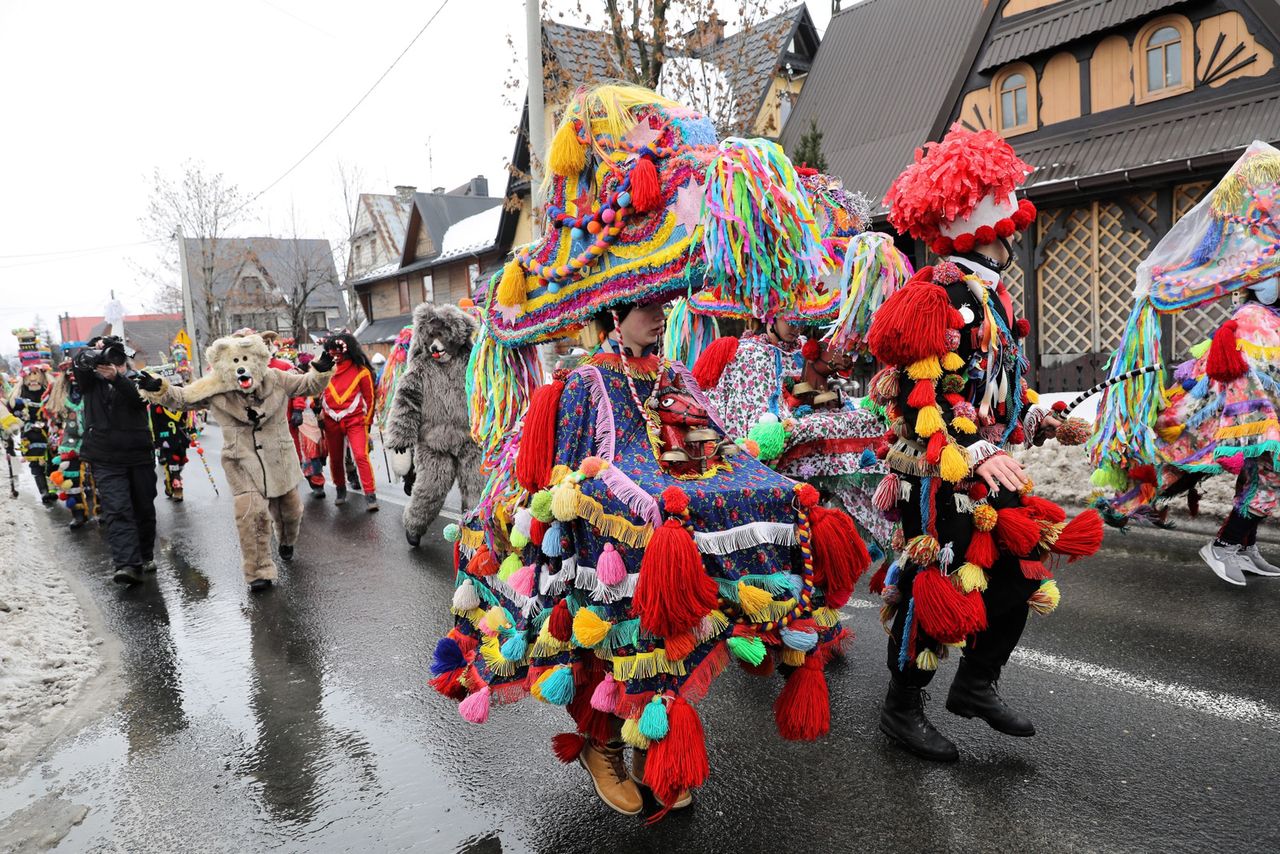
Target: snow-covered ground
48, 652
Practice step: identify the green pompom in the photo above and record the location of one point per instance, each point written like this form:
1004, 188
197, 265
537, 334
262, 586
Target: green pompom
540, 506
1109, 477
1198, 351
452, 532
770, 437
750, 650
518, 540
510, 566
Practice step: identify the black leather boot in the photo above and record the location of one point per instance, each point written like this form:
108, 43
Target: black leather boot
972, 695
902, 719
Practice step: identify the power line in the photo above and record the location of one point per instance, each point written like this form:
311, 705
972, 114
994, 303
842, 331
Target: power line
87, 250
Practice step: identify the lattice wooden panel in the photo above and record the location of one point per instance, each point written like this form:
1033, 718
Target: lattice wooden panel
1187, 196
1195, 325
1014, 279
1065, 281
1120, 250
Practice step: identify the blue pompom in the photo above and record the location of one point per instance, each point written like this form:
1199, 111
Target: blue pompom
551, 546
877, 553
653, 720
514, 647
868, 458
557, 688
803, 641
448, 657
803, 410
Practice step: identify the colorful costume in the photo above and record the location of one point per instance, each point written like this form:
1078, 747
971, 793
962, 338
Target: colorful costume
27, 405
622, 551
171, 432
65, 411
971, 560
347, 407
1222, 411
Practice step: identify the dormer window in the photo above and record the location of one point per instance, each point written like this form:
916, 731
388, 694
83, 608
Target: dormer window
1163, 53
1015, 100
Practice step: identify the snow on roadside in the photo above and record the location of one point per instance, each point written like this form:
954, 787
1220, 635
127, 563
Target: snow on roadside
47, 650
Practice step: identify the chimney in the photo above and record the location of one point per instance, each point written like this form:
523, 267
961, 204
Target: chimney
404, 192
706, 34
439, 191
479, 186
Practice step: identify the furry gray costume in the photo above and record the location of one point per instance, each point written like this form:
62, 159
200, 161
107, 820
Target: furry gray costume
429, 416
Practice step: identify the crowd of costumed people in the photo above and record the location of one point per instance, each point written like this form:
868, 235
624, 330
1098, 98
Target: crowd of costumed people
1220, 410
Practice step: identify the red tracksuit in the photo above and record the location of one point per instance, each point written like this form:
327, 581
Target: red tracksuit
348, 409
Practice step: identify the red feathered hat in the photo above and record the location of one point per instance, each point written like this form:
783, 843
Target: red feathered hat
959, 193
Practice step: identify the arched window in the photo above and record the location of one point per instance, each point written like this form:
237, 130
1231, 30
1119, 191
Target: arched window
1163, 53
1015, 100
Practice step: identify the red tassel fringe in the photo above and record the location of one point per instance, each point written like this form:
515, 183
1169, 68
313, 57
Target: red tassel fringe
646, 191
1043, 508
449, 685
561, 622
711, 364
1034, 570
673, 592
922, 394
1081, 537
1225, 362
912, 324
803, 709
567, 745
839, 554
982, 550
482, 563
1018, 532
877, 579
944, 613
538, 441
678, 762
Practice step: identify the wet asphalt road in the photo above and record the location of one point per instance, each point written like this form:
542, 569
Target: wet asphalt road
300, 720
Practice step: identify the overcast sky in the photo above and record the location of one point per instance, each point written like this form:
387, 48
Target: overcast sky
96, 95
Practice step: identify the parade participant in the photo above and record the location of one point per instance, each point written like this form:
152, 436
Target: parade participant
65, 411
308, 434
171, 433
26, 402
622, 551
1222, 412
428, 428
117, 447
347, 412
975, 541
249, 400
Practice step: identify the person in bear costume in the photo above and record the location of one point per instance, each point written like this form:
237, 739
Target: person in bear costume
429, 417
250, 401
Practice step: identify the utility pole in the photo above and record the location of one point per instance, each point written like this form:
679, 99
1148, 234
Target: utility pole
537, 109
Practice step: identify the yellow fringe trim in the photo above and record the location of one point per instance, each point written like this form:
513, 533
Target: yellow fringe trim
491, 650
546, 645
1257, 351
559, 472
1228, 196
643, 665
925, 369
611, 526
472, 539
1253, 428
474, 616
631, 734
775, 610
826, 617
715, 623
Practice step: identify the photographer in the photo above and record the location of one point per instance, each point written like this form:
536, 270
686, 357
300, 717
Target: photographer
117, 447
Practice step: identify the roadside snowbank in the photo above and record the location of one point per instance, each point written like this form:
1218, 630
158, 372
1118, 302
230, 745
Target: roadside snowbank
47, 651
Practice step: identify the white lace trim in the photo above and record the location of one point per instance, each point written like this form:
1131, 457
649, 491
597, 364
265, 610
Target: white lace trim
982, 450
746, 536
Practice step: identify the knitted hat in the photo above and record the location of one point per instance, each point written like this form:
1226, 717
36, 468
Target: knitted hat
959, 193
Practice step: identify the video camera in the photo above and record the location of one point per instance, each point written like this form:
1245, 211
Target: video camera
113, 352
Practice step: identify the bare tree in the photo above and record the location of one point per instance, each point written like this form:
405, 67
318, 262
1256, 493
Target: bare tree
351, 178
201, 206
306, 267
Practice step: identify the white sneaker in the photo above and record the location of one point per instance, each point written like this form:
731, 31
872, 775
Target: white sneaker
1256, 563
1226, 562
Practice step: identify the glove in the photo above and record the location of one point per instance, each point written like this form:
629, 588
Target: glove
19, 404
295, 418
401, 462
148, 382
322, 363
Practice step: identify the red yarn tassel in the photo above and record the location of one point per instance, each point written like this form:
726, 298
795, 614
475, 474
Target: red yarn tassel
1017, 531
982, 550
1043, 508
877, 579
933, 452
561, 620
673, 592
711, 364
482, 563
912, 324
567, 745
449, 685
944, 613
538, 530
678, 762
839, 554
1081, 537
537, 451
1034, 570
922, 395
646, 191
803, 709
680, 646
1225, 362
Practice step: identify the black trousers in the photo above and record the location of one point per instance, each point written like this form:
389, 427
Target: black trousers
38, 475
1005, 597
127, 505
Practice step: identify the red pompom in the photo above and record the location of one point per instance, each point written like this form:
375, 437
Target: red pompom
538, 530
982, 550
876, 586
1022, 327
450, 685
964, 242
944, 613
561, 622
646, 190
1005, 228
807, 495
1024, 215
933, 451
678, 762
567, 745
675, 500
1225, 362
1018, 532
1081, 537
984, 234
1059, 406
803, 709
673, 592
942, 246
1018, 436
537, 450
711, 364
1043, 508
482, 563
811, 350
839, 554
978, 491
1034, 570
912, 324
922, 394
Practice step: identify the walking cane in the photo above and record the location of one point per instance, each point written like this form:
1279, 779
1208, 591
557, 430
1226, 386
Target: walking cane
214, 483
13, 478
382, 443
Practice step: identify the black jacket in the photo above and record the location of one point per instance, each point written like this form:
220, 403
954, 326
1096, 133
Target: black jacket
117, 421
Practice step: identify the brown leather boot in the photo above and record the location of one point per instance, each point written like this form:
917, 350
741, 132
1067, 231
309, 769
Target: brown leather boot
608, 772
638, 758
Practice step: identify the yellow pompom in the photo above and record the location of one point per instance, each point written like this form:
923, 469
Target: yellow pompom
1171, 432
564, 502
536, 688
953, 467
589, 628
963, 425
952, 362
496, 618
567, 155
927, 660
1046, 597
753, 600
925, 369
1033, 396
928, 421
984, 517
513, 288
631, 734
969, 577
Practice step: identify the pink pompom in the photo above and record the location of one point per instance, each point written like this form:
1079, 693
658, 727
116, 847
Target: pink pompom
609, 568
605, 697
1233, 464
476, 707
591, 466
886, 494
522, 580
